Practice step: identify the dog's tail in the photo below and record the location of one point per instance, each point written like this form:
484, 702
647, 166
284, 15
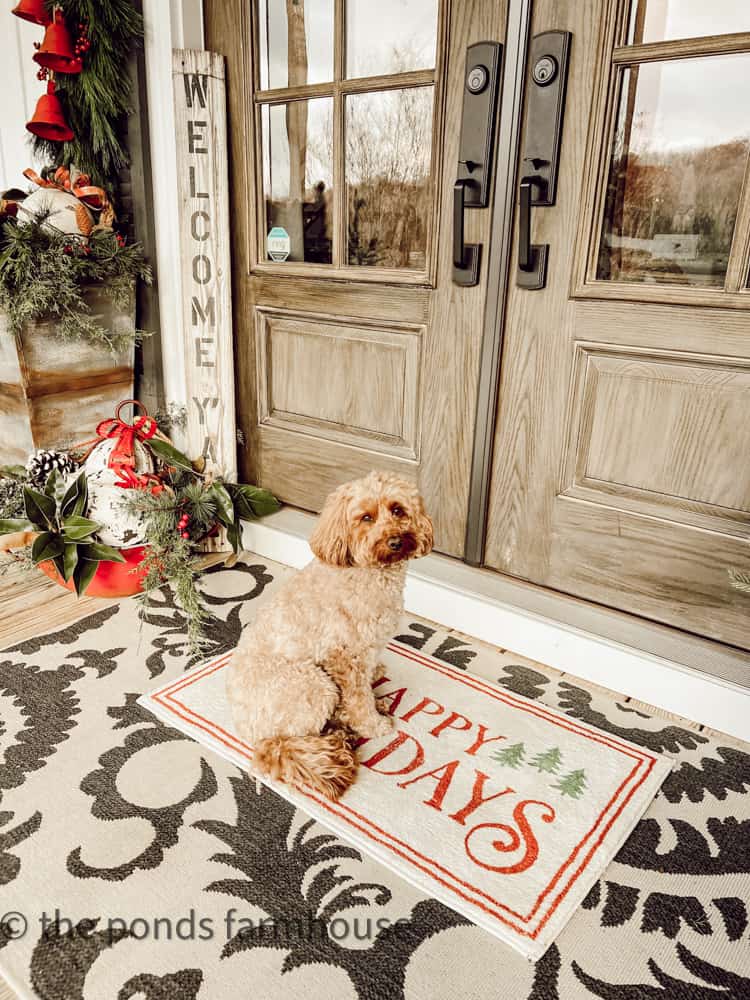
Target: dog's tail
325, 762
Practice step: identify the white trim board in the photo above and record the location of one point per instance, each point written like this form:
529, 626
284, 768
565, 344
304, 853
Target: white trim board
455, 595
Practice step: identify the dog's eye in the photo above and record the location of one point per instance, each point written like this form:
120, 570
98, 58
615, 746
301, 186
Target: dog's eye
398, 511
367, 517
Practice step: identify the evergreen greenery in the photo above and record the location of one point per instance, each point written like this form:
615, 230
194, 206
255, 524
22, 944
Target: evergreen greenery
45, 274
96, 102
11, 491
180, 509
204, 504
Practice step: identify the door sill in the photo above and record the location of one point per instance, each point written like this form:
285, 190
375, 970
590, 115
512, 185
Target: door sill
642, 660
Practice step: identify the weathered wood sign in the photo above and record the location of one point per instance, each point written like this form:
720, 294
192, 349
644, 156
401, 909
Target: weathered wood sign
203, 202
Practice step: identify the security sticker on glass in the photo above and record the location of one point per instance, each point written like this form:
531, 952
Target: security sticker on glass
278, 244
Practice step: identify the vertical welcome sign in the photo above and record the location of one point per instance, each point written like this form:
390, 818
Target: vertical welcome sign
203, 202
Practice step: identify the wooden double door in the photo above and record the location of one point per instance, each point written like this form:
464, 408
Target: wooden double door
590, 436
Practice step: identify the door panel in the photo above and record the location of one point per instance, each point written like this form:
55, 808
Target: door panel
358, 351
620, 469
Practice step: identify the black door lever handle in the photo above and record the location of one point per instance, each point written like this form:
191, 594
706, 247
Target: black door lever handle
465, 255
524, 226
532, 259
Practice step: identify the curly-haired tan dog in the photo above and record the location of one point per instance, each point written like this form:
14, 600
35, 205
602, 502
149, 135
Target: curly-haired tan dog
304, 669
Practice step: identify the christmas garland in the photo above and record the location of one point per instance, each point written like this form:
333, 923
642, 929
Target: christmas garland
96, 101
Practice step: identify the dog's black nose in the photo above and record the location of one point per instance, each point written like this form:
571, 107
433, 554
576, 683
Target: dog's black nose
395, 543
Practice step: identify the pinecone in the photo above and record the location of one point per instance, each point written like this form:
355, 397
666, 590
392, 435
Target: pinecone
42, 463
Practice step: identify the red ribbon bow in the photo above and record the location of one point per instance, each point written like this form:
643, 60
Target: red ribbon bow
81, 187
122, 456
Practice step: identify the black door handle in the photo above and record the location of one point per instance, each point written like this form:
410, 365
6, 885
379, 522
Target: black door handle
465, 255
524, 226
532, 258
545, 102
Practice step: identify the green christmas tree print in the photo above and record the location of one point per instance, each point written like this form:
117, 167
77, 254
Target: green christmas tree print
572, 784
547, 760
510, 756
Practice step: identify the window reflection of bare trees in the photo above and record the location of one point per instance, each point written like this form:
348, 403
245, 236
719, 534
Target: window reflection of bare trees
388, 146
671, 216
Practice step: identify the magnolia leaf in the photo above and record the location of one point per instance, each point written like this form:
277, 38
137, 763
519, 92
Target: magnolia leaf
76, 528
11, 524
46, 546
96, 552
76, 497
49, 486
224, 505
40, 509
169, 454
83, 574
70, 560
234, 536
252, 502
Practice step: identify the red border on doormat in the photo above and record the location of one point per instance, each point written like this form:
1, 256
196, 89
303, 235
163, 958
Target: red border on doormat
166, 698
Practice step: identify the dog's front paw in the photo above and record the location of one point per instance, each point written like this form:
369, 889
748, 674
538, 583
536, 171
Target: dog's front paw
383, 705
380, 725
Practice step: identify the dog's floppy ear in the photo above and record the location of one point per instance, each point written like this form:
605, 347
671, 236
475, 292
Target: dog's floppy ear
330, 539
424, 531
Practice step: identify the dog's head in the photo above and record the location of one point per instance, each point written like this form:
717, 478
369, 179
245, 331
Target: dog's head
375, 521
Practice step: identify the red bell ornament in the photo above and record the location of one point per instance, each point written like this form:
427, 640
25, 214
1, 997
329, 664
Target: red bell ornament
49, 121
33, 10
56, 51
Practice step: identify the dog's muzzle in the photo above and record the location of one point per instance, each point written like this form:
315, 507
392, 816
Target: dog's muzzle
395, 543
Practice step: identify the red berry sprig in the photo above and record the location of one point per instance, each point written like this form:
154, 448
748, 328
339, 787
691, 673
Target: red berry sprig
182, 525
83, 42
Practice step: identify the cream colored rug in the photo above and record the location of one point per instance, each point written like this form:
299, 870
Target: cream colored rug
503, 809
145, 866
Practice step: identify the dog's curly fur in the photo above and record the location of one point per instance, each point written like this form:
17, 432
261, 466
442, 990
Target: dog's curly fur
300, 682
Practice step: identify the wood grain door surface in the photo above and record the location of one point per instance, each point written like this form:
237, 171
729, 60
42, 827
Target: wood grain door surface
621, 470
358, 351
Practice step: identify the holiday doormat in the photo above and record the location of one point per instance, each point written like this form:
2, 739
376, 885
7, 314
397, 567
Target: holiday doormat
503, 809
137, 863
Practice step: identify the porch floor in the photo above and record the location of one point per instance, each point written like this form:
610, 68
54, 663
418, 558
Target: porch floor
32, 605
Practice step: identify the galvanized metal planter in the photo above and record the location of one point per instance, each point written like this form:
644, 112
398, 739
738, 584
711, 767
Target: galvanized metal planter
52, 392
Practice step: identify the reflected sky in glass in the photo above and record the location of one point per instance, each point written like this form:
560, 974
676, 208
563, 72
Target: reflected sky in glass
662, 20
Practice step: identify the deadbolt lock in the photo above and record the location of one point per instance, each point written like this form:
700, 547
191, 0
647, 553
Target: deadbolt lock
477, 79
545, 70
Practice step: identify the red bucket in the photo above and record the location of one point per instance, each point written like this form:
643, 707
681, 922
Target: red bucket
112, 579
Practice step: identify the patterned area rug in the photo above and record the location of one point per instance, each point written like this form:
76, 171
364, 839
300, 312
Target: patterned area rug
135, 863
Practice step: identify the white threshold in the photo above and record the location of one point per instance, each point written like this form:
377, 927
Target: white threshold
457, 596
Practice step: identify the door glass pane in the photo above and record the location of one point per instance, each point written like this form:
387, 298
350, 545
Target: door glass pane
296, 42
390, 36
388, 151
298, 178
659, 20
676, 170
